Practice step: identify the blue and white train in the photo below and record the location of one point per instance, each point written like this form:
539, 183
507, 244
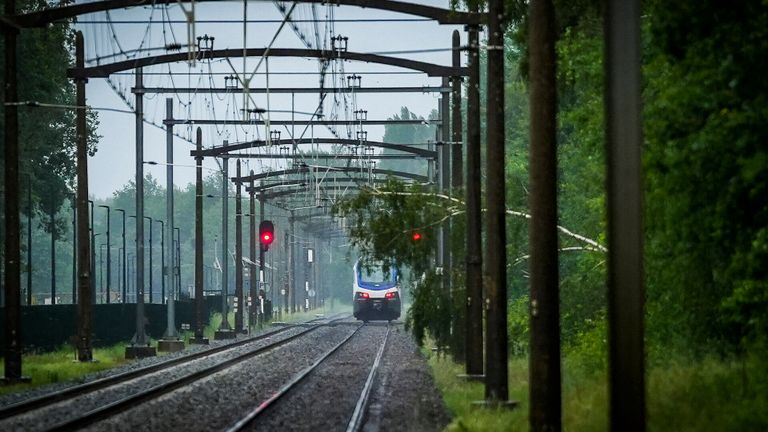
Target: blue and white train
376, 294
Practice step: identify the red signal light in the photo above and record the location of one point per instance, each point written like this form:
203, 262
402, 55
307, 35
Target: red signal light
266, 234
416, 236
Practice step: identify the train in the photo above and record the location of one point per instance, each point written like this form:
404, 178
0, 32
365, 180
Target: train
376, 293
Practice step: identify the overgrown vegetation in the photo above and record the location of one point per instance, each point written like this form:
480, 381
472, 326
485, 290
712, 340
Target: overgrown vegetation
46, 135
706, 221
62, 365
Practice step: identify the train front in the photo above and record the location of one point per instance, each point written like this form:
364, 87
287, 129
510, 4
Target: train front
376, 293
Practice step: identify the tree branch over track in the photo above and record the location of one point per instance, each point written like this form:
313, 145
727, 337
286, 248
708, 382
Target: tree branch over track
595, 246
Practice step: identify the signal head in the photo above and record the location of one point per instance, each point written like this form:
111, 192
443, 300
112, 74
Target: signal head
266, 234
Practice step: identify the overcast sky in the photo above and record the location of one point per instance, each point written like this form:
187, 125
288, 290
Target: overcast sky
113, 164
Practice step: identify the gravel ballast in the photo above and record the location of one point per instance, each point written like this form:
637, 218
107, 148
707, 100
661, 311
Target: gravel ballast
403, 397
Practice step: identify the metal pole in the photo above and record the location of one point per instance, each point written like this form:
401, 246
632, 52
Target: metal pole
123, 298
74, 249
178, 261
170, 327
626, 292
53, 257
140, 339
93, 253
496, 386
474, 260
253, 277
238, 253
109, 254
291, 264
457, 160
199, 301
84, 295
29, 245
101, 268
445, 185
13, 342
163, 270
545, 409
457, 181
151, 258
224, 242
262, 263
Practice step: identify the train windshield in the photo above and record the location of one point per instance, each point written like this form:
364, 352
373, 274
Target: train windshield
374, 277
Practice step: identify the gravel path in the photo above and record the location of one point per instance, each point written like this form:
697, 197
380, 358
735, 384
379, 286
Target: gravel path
326, 398
404, 396
213, 403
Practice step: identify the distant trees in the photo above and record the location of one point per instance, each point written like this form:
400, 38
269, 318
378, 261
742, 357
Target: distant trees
47, 135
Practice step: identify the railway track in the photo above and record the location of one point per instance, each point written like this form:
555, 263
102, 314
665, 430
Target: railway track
357, 417
122, 404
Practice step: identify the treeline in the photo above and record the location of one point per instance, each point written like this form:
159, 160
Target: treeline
706, 176
336, 278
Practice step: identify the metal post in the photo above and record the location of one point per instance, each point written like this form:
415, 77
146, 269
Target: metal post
101, 268
84, 295
253, 277
199, 301
123, 298
93, 253
262, 263
109, 254
496, 386
445, 185
225, 330
291, 264
74, 249
140, 342
13, 342
178, 261
151, 258
170, 327
545, 408
29, 246
626, 291
163, 270
457, 160
474, 260
238, 252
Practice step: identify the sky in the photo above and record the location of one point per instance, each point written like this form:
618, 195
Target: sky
109, 36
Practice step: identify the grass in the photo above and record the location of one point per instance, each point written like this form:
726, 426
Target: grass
459, 395
62, 365
703, 395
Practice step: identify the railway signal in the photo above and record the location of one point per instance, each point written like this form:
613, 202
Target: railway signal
416, 236
266, 234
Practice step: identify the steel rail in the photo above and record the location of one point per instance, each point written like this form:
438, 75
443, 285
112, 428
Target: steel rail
28, 405
356, 421
270, 402
122, 405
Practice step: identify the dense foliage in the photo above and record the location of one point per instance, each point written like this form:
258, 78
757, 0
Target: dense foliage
46, 135
706, 173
